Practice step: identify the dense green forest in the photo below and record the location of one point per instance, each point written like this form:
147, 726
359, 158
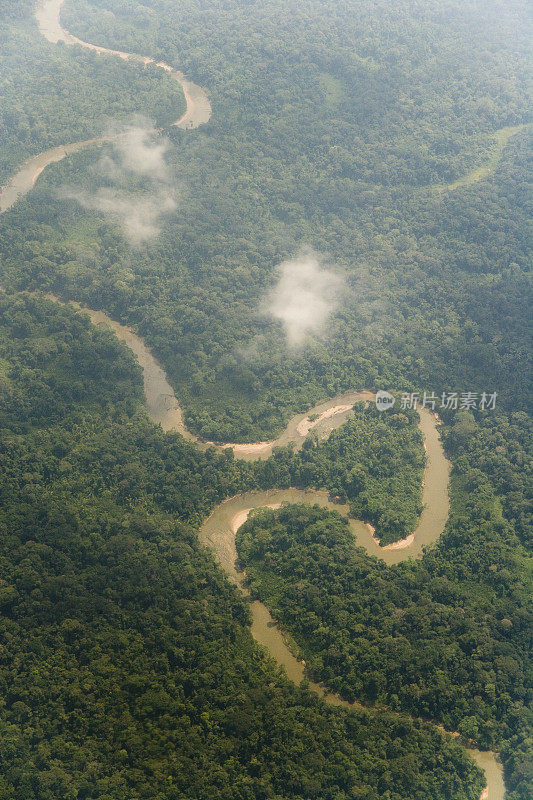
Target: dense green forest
373, 462
127, 668
421, 86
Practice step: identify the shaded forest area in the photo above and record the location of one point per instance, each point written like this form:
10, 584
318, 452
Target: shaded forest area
127, 666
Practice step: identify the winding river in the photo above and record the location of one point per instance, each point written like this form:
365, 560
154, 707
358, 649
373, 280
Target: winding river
501, 139
219, 530
197, 113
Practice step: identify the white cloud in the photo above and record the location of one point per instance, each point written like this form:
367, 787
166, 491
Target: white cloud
137, 151
304, 297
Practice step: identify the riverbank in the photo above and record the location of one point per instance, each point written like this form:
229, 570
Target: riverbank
198, 112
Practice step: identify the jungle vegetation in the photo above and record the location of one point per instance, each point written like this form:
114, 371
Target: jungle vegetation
333, 127
127, 667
